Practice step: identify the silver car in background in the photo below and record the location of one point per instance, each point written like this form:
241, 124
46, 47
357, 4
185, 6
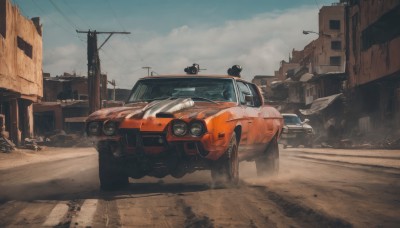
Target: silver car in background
296, 132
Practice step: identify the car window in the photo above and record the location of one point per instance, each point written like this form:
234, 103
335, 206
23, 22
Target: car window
249, 89
215, 89
243, 90
291, 120
256, 97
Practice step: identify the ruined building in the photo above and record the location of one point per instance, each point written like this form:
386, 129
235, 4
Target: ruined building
21, 81
374, 64
317, 71
65, 103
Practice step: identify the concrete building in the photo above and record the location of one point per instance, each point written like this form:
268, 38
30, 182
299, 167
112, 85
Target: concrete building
374, 64
65, 103
327, 62
70, 87
21, 81
329, 52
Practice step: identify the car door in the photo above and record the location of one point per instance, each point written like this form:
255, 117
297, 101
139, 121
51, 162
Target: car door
262, 128
246, 143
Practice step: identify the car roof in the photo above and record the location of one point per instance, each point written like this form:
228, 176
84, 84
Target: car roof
191, 76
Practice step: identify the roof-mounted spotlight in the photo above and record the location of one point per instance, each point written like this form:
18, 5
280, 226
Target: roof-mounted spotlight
235, 70
194, 69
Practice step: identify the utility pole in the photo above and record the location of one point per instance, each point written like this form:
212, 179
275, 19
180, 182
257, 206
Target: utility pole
94, 70
112, 82
148, 69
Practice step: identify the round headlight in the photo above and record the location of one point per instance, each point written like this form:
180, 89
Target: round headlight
196, 129
109, 128
94, 128
179, 128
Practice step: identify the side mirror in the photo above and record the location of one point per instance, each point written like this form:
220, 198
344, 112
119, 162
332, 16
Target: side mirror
306, 121
248, 99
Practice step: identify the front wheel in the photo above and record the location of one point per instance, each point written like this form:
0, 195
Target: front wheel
227, 167
268, 163
110, 174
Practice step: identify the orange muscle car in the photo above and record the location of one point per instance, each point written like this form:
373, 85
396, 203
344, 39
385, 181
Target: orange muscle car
177, 124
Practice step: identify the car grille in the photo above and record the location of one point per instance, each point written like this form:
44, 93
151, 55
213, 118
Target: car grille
296, 131
134, 138
153, 140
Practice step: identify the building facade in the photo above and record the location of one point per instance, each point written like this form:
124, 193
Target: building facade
21, 81
374, 66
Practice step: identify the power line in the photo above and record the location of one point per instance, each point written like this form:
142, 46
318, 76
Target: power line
74, 12
63, 15
316, 3
116, 18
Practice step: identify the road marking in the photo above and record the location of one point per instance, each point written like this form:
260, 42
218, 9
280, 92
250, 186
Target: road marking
56, 215
85, 215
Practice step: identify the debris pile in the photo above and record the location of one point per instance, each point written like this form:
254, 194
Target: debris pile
62, 139
6, 145
32, 143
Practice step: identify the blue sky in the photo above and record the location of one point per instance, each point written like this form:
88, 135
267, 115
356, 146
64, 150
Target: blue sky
171, 34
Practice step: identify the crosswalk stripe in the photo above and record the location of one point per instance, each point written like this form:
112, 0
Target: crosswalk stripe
56, 215
85, 215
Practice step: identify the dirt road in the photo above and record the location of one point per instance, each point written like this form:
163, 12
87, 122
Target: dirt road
315, 188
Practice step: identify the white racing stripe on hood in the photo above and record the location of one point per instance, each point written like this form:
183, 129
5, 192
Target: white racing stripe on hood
164, 106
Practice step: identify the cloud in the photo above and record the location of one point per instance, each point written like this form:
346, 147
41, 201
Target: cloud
258, 44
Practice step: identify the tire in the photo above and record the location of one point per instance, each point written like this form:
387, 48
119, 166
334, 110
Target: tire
226, 169
110, 174
268, 163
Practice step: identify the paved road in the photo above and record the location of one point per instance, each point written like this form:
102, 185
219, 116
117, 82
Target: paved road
315, 188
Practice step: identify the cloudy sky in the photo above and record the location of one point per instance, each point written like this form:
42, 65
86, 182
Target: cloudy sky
169, 35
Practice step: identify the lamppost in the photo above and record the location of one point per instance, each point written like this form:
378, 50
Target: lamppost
318, 33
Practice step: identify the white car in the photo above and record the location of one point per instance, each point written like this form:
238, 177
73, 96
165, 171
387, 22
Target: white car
296, 132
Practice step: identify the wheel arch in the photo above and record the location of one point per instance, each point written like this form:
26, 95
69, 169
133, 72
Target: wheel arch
238, 131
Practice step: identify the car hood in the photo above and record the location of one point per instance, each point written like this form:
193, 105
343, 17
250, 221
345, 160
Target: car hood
177, 108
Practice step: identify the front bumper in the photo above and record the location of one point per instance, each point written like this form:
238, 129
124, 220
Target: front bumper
296, 138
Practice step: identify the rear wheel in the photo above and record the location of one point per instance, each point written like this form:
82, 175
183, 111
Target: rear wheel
110, 174
226, 169
268, 163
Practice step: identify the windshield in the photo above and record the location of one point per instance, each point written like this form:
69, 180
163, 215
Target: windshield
199, 89
291, 120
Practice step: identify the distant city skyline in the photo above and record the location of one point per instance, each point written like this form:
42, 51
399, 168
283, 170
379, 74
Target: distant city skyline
168, 35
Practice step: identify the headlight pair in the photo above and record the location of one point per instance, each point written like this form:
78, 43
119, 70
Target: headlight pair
109, 128
181, 128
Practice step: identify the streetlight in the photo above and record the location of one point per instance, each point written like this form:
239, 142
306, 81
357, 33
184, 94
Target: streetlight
318, 33
148, 69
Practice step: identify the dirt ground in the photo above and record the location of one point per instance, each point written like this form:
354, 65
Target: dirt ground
315, 188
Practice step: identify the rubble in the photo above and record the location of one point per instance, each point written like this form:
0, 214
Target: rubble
6, 145
31, 143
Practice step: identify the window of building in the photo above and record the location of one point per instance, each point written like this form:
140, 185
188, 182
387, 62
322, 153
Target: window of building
336, 45
334, 24
385, 29
24, 46
335, 60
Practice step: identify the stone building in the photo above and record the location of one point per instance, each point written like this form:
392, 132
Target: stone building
21, 81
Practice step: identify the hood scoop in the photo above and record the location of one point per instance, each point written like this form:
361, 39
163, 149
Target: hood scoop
164, 115
166, 108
